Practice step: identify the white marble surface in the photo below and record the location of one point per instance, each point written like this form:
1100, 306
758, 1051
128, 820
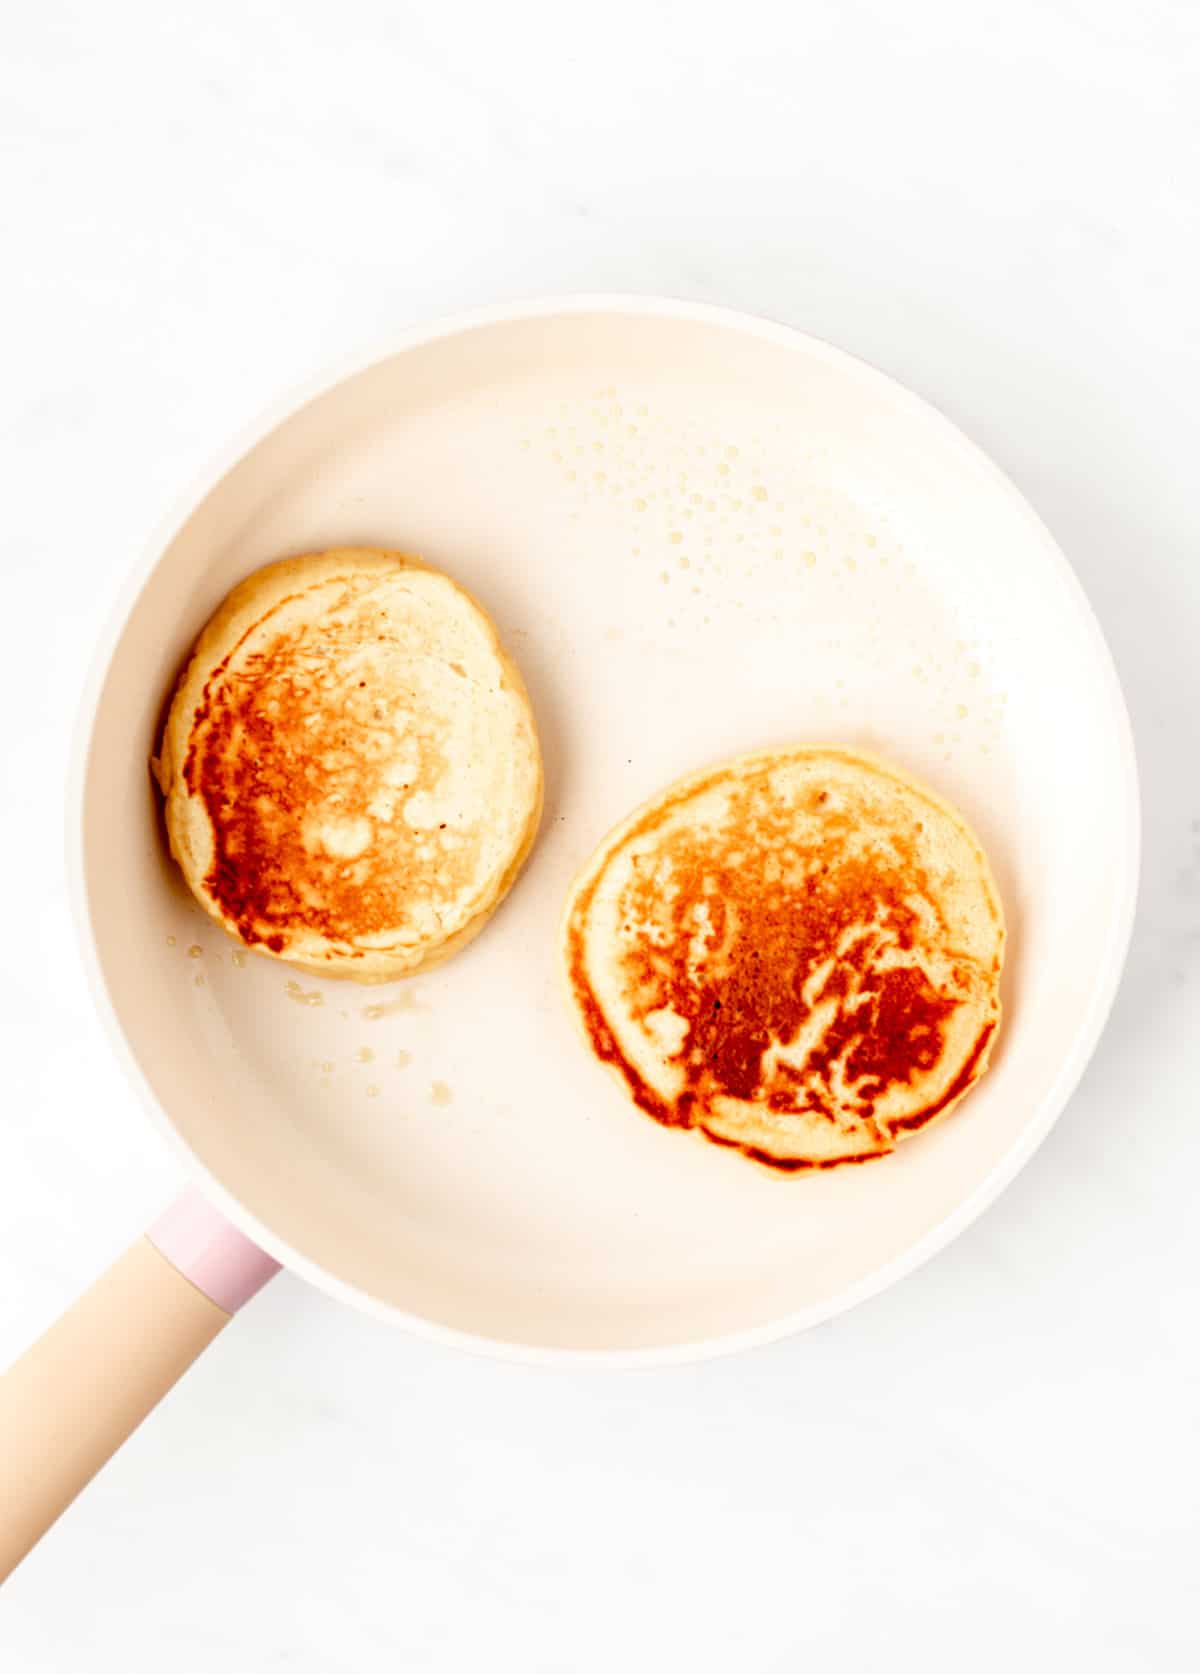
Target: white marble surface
996, 1462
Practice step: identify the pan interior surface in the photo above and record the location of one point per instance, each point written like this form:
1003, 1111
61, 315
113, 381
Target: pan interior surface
699, 536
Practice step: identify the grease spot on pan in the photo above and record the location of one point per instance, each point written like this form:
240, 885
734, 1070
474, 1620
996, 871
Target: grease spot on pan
408, 1001
304, 996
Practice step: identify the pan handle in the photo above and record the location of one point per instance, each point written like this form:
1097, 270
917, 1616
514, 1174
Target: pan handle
70, 1401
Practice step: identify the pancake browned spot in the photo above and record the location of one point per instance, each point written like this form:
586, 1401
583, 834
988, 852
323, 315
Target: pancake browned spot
797, 954
350, 766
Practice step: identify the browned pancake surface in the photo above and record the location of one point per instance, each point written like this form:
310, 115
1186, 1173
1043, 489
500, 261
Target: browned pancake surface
798, 955
351, 769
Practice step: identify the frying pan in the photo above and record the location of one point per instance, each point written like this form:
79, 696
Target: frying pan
700, 533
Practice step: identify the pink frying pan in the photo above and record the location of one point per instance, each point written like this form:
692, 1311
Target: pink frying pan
700, 534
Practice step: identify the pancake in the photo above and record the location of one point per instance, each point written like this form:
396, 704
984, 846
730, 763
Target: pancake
796, 954
350, 765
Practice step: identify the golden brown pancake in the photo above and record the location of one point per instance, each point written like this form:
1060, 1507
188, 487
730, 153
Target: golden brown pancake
797, 954
350, 765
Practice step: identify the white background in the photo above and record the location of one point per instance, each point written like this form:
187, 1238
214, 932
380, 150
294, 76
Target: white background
996, 1462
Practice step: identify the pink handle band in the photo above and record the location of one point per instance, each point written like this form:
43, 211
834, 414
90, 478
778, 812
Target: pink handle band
211, 1253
